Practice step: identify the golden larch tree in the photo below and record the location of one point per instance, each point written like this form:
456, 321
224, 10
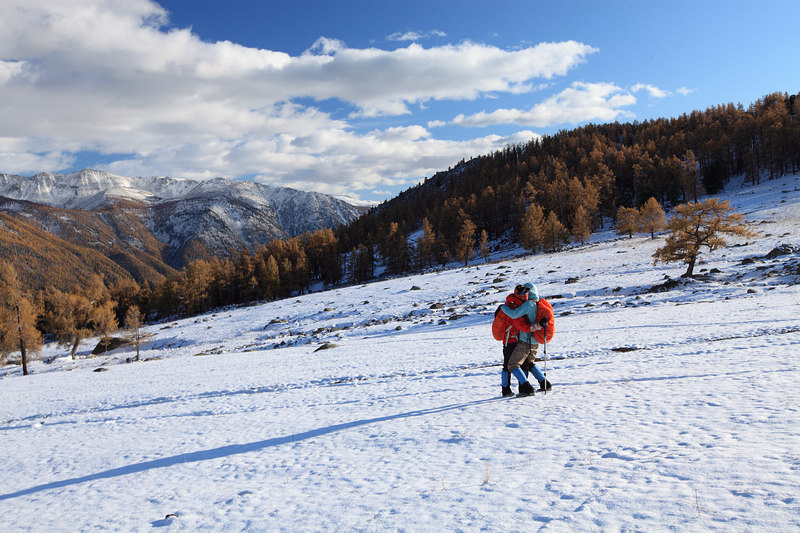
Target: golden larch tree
555, 233
72, 317
133, 323
700, 225
581, 224
483, 245
531, 231
627, 221
651, 217
426, 245
18, 317
465, 248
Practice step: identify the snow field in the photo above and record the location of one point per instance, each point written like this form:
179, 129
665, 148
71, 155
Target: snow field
671, 410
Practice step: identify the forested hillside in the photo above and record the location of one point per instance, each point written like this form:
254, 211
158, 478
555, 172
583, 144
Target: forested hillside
62, 248
558, 188
583, 176
50, 260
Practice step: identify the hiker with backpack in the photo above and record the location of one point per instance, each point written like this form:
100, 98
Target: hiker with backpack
527, 319
504, 329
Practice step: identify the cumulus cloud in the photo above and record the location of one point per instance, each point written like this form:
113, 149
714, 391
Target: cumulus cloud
380, 82
16, 156
333, 161
109, 76
581, 102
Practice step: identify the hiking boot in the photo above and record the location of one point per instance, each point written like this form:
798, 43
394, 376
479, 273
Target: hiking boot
544, 385
526, 389
507, 391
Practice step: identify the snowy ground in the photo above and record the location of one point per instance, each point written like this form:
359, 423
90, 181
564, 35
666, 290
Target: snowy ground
671, 409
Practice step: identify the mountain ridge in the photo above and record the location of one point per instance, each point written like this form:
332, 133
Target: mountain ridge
161, 224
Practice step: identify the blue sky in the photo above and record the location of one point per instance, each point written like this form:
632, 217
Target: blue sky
359, 98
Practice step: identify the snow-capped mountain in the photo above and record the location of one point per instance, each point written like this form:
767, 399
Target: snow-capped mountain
295, 211
193, 218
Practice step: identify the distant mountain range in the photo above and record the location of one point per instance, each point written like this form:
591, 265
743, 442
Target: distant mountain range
148, 227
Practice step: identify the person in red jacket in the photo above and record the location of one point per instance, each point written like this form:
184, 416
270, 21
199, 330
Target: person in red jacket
523, 356
513, 300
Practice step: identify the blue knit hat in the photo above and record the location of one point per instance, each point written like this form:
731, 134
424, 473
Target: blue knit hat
533, 294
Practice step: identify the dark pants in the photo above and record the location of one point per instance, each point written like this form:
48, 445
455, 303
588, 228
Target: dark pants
508, 349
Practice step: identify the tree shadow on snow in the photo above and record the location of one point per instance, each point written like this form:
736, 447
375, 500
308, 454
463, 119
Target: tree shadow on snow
235, 449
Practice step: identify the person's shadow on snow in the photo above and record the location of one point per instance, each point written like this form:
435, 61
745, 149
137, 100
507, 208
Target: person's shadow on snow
234, 449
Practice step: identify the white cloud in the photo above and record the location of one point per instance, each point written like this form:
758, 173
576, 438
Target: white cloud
10, 69
683, 91
27, 162
652, 90
380, 82
415, 35
106, 76
331, 160
579, 103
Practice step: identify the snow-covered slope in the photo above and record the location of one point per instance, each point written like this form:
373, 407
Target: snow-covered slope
674, 405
